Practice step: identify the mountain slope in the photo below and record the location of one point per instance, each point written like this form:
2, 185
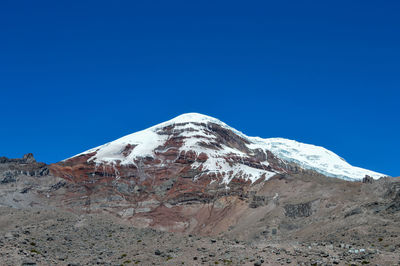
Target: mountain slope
194, 173
316, 158
301, 212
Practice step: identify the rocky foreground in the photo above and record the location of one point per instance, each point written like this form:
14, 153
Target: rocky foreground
296, 218
41, 237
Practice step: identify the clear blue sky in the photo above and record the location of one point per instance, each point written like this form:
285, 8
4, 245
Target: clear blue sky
77, 74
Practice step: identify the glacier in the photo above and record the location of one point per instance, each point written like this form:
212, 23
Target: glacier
307, 156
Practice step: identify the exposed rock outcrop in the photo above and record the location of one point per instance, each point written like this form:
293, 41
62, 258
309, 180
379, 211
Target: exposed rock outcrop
25, 166
26, 183
298, 210
368, 180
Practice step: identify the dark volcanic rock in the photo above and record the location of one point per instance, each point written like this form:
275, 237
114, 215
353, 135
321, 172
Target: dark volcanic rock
28, 158
8, 178
25, 166
257, 201
368, 180
353, 212
298, 210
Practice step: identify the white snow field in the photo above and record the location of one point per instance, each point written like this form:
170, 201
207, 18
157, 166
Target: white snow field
193, 127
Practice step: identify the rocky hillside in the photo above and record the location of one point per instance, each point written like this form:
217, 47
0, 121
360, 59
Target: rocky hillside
293, 218
56, 237
26, 183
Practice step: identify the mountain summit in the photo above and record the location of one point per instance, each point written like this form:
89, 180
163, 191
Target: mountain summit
195, 173
217, 149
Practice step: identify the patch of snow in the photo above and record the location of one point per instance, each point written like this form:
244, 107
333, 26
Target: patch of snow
315, 158
145, 142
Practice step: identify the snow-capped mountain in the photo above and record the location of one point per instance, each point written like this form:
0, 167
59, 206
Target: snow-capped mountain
215, 149
194, 173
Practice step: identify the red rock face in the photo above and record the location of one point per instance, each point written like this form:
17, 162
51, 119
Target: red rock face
174, 189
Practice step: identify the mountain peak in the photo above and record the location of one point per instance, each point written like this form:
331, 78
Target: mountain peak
191, 118
225, 151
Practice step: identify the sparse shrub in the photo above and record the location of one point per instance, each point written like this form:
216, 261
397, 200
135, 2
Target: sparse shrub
35, 251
